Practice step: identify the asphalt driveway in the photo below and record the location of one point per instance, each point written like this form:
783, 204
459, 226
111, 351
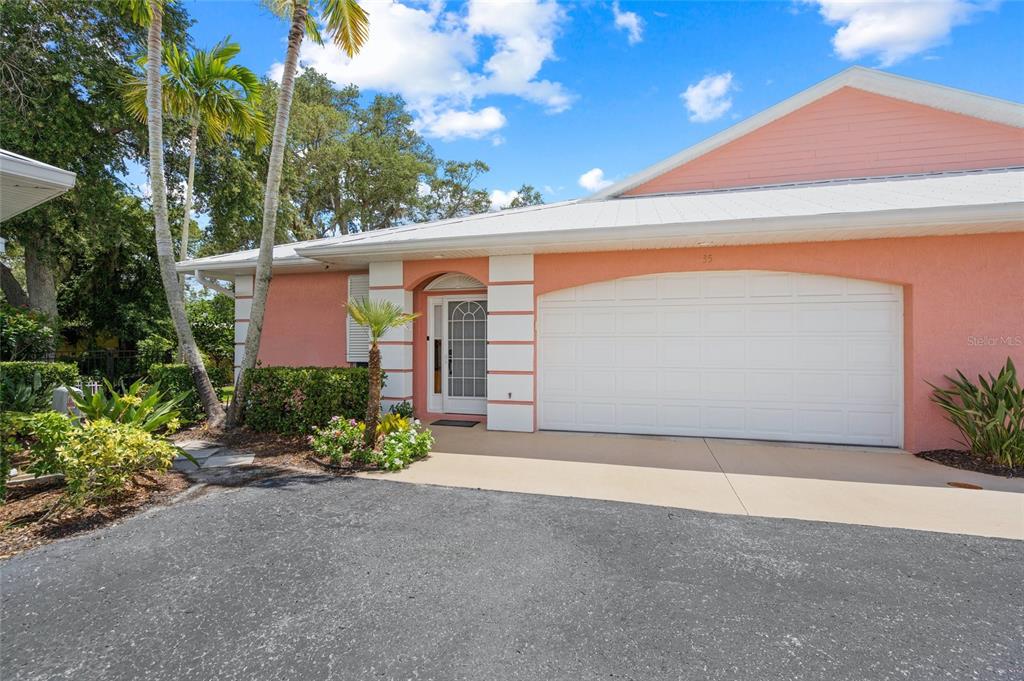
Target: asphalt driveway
312, 578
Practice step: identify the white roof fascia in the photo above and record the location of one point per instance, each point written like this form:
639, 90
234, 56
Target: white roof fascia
870, 80
1004, 217
28, 177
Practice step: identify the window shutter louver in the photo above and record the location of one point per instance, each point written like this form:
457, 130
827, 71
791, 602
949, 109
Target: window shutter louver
358, 337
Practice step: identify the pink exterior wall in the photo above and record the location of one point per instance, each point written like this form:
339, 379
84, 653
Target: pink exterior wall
849, 133
963, 299
305, 322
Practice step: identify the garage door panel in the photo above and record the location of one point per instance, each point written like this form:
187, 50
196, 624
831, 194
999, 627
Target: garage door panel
558, 322
678, 287
639, 383
769, 387
680, 322
637, 323
770, 319
678, 383
724, 320
723, 352
730, 354
597, 414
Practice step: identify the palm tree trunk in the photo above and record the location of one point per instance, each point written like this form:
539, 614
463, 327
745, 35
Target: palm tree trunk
186, 223
373, 400
271, 198
164, 244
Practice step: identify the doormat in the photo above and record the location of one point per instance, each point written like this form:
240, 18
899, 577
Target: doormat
458, 423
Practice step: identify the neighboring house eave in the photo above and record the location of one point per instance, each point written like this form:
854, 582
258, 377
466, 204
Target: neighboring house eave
26, 183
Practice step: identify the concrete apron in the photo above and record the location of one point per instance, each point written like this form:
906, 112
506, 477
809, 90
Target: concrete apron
856, 485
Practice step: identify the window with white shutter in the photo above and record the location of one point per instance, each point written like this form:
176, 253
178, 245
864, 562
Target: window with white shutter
358, 337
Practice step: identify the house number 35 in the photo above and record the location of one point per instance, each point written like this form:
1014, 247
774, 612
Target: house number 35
706, 258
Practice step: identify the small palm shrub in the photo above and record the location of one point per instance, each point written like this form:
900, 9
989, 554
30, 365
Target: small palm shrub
141, 405
989, 414
102, 457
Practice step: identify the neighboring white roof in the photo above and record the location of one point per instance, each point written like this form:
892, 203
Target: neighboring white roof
869, 80
26, 183
949, 203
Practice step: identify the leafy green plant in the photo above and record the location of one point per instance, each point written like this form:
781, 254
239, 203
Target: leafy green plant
154, 349
989, 414
24, 334
47, 431
141, 405
103, 457
338, 438
403, 408
300, 399
177, 378
25, 396
402, 446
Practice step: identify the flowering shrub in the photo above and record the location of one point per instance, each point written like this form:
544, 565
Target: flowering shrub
339, 438
400, 442
399, 448
103, 456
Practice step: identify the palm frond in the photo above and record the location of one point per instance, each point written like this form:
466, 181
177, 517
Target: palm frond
378, 316
347, 23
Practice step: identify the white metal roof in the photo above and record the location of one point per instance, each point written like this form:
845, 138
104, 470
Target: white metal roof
26, 183
869, 80
950, 203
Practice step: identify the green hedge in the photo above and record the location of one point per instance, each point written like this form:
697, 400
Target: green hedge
177, 378
61, 373
297, 400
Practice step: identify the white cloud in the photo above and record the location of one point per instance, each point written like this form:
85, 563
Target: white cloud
594, 181
894, 29
449, 125
501, 198
709, 99
630, 22
433, 58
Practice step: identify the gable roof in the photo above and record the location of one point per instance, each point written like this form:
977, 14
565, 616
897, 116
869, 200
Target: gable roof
858, 77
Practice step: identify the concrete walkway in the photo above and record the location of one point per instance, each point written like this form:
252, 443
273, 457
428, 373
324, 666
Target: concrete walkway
865, 486
210, 455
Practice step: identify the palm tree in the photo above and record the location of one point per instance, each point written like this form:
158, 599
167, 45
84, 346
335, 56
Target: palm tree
209, 92
379, 317
348, 26
164, 243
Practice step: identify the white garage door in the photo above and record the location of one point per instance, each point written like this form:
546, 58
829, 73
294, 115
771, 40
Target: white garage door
763, 355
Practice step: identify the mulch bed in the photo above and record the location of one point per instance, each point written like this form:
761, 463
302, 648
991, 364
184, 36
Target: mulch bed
957, 458
21, 527
273, 450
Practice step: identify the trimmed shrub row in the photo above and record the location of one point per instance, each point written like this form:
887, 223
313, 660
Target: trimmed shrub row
60, 373
300, 399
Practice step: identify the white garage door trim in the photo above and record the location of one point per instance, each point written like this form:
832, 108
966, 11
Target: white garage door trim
741, 354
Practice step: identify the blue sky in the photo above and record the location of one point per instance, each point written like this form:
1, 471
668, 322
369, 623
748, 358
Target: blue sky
559, 95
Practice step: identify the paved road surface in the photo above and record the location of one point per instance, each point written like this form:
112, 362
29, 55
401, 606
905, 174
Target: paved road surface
310, 578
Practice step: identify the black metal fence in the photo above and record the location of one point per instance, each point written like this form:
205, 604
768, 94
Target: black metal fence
115, 365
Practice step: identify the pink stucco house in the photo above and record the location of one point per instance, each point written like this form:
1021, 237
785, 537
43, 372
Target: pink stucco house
799, 276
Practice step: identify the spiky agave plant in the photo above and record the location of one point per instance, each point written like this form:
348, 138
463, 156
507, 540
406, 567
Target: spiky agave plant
379, 317
989, 414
